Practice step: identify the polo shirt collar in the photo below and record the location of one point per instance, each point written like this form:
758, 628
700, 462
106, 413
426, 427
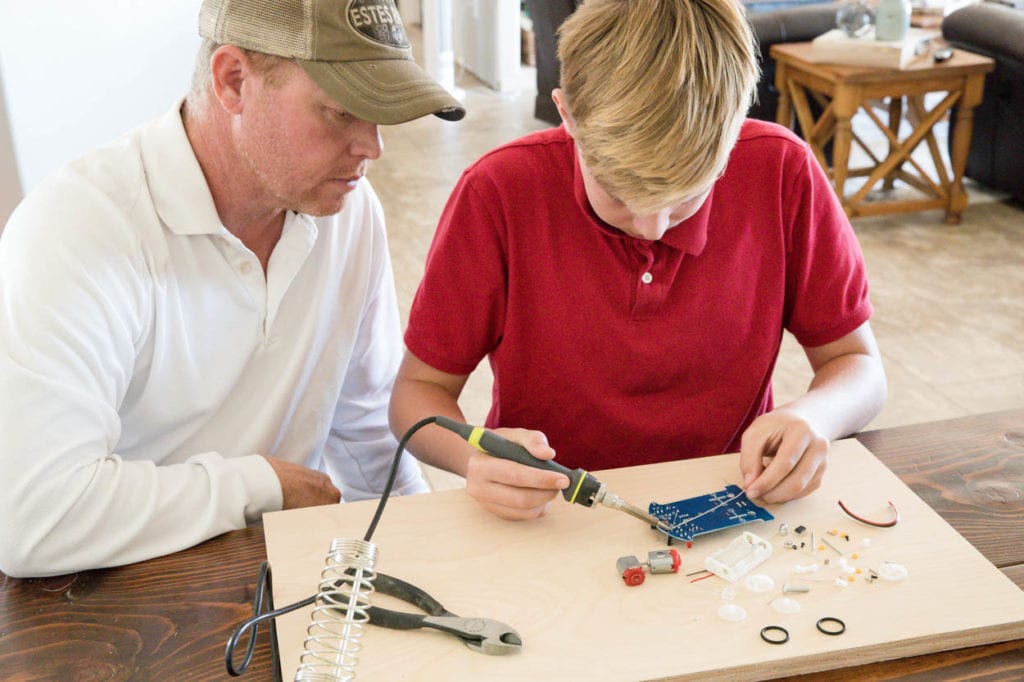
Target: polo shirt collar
176, 181
689, 236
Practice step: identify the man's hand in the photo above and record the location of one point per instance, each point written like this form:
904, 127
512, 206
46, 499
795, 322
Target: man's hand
798, 457
302, 486
511, 490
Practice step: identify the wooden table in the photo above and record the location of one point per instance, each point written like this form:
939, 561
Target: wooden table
841, 91
169, 618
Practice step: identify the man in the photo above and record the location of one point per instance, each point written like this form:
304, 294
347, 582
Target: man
629, 274
198, 323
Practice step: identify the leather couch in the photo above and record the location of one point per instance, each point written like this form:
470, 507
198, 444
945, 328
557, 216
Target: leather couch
787, 25
547, 16
996, 155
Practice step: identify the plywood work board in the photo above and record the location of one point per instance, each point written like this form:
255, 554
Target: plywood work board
554, 580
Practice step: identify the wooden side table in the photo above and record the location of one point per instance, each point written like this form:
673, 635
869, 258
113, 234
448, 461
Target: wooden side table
842, 91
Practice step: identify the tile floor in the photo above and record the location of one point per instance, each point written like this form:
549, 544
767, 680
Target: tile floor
949, 300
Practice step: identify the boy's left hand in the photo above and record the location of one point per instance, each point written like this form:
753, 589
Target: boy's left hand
796, 454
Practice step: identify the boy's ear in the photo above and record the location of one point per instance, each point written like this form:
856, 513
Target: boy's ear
559, 98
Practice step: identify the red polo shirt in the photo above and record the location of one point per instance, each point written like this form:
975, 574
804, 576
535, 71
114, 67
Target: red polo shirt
625, 351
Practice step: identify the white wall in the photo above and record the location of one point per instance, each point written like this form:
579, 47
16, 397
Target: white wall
410, 11
486, 40
10, 182
78, 74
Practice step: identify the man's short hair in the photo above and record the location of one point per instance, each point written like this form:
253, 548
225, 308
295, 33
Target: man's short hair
656, 89
266, 65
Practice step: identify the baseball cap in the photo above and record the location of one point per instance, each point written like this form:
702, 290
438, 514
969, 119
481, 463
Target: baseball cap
356, 50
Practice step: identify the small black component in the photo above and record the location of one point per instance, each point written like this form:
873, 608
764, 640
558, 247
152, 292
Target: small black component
835, 626
780, 636
799, 529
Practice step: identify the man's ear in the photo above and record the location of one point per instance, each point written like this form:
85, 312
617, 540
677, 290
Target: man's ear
563, 110
229, 67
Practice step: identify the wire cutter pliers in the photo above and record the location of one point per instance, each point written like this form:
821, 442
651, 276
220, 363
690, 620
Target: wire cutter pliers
479, 634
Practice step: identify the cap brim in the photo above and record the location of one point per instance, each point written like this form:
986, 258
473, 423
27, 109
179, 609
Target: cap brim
386, 91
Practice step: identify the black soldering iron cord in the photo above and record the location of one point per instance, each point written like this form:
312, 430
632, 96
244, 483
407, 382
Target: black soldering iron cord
264, 597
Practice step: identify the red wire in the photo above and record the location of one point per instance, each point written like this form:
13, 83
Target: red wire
876, 524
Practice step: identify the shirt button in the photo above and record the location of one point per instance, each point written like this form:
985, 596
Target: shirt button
647, 278
245, 268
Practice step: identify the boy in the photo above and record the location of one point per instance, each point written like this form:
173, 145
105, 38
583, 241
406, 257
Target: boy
629, 274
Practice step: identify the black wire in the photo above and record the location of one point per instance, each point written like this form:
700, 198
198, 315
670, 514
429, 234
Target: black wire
386, 493
264, 589
264, 586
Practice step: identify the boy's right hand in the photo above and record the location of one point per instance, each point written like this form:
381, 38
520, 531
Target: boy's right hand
511, 490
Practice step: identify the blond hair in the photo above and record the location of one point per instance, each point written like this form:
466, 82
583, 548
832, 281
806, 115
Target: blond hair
655, 90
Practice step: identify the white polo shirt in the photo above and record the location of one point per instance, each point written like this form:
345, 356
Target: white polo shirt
146, 362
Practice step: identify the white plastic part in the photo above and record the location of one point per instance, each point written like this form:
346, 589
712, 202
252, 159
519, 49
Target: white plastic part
786, 605
890, 570
739, 557
759, 582
866, 542
809, 568
839, 582
728, 594
732, 612
787, 589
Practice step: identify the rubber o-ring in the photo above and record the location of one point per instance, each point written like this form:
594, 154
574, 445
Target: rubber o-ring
831, 619
774, 628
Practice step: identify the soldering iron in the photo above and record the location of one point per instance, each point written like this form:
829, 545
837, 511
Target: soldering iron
583, 488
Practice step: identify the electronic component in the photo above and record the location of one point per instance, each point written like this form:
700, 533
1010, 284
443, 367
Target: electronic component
663, 561
703, 514
737, 558
877, 524
630, 569
658, 561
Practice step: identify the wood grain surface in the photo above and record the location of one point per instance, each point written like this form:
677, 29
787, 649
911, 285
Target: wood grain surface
554, 581
169, 618
970, 471
164, 619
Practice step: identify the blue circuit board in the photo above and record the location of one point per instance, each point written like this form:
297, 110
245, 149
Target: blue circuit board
707, 513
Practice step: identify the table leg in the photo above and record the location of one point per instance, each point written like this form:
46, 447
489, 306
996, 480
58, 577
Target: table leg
960, 145
784, 110
844, 104
918, 108
895, 118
